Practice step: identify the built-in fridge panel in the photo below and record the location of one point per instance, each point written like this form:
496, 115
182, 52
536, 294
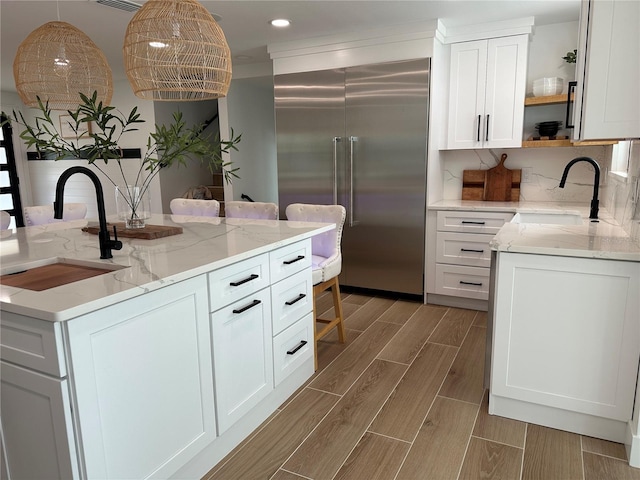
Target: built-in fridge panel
366, 151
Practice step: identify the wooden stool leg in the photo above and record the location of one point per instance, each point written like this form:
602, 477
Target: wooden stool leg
337, 305
315, 341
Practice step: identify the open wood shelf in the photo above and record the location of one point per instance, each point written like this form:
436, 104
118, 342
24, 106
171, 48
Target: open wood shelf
564, 143
548, 100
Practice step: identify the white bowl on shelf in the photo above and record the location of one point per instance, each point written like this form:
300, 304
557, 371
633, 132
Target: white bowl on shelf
548, 86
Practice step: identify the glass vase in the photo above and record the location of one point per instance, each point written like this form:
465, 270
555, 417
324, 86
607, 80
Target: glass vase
133, 205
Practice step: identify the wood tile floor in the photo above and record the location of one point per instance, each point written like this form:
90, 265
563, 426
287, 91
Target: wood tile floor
404, 399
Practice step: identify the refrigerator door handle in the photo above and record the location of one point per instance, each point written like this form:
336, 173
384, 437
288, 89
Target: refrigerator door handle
336, 140
352, 220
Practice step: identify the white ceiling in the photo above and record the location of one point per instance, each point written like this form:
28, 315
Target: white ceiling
245, 22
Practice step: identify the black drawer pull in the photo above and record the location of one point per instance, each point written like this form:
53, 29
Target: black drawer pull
251, 305
297, 299
297, 347
248, 279
297, 259
471, 250
469, 222
462, 282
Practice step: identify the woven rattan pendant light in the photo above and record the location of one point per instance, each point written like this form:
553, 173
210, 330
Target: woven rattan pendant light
175, 51
57, 62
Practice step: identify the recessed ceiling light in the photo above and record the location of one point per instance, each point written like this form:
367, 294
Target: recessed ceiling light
280, 22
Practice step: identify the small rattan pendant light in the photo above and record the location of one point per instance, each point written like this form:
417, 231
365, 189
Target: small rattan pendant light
174, 50
57, 62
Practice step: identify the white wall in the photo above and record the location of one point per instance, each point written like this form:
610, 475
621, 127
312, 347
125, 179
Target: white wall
249, 110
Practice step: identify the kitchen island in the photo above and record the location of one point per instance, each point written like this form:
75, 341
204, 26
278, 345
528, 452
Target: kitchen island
564, 328
162, 365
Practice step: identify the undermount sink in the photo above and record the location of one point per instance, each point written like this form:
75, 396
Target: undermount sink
548, 218
53, 272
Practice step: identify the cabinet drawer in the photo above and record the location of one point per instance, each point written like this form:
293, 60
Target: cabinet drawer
463, 249
291, 298
292, 348
472, 222
233, 282
32, 343
458, 281
289, 260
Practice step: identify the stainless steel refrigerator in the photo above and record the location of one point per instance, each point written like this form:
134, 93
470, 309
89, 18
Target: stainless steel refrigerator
358, 137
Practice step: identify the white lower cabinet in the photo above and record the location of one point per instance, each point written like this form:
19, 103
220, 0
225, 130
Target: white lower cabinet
292, 348
460, 256
36, 417
143, 382
242, 356
161, 384
566, 342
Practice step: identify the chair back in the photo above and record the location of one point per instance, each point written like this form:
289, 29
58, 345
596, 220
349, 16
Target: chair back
256, 210
188, 206
43, 214
5, 220
325, 244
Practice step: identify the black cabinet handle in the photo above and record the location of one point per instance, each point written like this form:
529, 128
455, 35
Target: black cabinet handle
462, 282
247, 307
297, 299
469, 222
471, 250
572, 86
479, 127
486, 133
297, 259
297, 347
248, 279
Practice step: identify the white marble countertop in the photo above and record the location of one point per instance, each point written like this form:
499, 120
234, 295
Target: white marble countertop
206, 244
604, 239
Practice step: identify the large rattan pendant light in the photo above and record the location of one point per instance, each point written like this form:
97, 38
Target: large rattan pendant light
175, 51
57, 62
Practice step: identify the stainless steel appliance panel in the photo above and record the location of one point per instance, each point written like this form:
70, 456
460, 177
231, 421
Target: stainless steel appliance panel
386, 125
358, 137
310, 126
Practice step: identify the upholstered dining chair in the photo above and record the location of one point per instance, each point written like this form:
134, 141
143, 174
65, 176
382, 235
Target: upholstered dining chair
326, 262
5, 220
258, 210
188, 206
43, 214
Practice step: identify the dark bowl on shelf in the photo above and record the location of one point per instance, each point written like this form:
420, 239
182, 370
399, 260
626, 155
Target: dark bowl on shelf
548, 129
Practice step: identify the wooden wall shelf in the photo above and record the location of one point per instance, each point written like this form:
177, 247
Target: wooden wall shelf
548, 100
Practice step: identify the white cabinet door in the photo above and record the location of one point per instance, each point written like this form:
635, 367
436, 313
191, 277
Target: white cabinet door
143, 382
607, 104
487, 89
566, 333
36, 419
242, 356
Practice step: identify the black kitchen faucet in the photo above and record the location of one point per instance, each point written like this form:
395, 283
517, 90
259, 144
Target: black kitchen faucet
593, 213
106, 244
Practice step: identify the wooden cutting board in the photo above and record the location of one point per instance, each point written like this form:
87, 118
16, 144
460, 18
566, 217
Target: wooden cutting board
149, 232
498, 184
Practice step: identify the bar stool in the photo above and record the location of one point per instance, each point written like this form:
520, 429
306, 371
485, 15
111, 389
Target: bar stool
188, 206
257, 210
5, 220
43, 214
326, 262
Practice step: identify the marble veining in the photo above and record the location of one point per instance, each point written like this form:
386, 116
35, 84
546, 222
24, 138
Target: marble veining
205, 245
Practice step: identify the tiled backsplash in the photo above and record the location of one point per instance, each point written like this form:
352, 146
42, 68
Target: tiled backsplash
618, 195
546, 166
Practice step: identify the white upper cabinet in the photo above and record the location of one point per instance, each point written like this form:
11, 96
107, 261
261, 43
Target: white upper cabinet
487, 89
607, 99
